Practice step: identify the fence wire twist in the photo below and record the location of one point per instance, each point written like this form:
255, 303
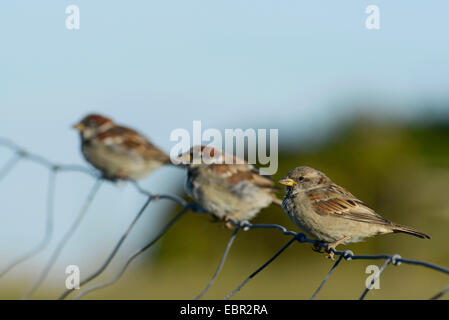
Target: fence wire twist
19, 154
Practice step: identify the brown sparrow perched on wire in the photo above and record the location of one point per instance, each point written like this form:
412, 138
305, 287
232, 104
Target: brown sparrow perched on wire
228, 189
118, 152
331, 214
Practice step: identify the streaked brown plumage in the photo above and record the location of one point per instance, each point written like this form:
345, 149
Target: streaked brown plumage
117, 151
227, 190
331, 214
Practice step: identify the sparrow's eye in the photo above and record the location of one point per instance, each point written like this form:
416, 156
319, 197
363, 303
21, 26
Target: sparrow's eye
301, 178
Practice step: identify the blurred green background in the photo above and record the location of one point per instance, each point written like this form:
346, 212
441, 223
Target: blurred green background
399, 168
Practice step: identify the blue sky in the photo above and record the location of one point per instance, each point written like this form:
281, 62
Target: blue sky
159, 65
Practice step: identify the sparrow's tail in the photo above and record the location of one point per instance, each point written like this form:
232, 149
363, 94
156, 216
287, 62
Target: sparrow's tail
408, 230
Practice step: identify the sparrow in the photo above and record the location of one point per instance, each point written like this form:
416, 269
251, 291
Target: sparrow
117, 151
225, 186
330, 214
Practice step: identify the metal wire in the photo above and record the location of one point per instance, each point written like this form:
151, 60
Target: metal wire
328, 275
20, 153
135, 254
65, 239
150, 197
260, 269
114, 251
48, 227
220, 265
374, 279
7, 168
348, 255
440, 294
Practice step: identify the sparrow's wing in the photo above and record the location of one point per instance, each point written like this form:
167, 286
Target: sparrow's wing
123, 139
235, 173
336, 201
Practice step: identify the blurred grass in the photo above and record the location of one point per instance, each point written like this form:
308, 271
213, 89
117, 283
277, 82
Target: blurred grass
401, 170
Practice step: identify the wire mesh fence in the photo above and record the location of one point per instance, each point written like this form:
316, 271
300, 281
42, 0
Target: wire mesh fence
19, 154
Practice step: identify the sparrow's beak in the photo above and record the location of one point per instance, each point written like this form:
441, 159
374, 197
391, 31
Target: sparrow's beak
287, 182
79, 126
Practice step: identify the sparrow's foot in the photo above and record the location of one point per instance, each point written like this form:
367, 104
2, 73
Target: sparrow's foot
333, 245
317, 247
331, 253
229, 217
228, 225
